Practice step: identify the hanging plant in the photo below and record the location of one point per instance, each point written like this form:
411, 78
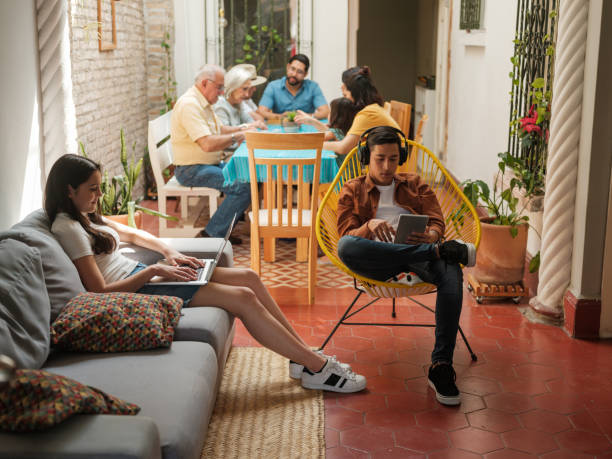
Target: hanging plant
259, 43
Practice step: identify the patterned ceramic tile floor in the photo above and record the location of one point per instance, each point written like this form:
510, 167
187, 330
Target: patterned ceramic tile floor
534, 392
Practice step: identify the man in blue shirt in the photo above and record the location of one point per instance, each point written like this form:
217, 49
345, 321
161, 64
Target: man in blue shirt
293, 92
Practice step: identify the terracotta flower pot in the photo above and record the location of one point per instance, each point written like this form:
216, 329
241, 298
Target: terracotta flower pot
123, 218
501, 258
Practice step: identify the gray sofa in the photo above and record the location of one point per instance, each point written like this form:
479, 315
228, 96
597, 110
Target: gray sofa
175, 387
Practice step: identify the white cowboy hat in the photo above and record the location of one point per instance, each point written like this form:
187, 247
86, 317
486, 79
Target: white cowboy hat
255, 79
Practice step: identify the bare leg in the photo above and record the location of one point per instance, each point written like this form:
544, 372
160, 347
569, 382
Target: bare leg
248, 278
263, 326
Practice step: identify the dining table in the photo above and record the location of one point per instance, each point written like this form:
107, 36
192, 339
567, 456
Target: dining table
237, 169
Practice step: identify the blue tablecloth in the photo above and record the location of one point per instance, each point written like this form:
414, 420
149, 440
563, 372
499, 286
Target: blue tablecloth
237, 169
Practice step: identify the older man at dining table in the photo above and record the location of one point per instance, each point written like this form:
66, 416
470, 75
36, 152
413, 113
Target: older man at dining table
199, 142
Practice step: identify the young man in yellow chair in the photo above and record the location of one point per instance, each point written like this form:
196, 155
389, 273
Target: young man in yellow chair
369, 210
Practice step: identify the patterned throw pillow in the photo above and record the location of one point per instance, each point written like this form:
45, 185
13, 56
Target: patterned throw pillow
116, 322
37, 400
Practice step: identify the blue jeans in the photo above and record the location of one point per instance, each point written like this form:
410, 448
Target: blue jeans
237, 196
185, 292
382, 260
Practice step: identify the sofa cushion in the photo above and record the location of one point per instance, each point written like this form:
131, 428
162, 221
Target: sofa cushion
116, 322
61, 277
24, 305
176, 387
86, 436
38, 400
207, 325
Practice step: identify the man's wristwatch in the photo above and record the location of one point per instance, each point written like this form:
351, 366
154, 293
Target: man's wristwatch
233, 138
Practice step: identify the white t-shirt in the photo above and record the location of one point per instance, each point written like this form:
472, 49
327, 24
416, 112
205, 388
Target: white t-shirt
387, 209
77, 244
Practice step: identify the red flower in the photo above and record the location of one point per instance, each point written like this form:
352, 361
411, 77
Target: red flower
529, 122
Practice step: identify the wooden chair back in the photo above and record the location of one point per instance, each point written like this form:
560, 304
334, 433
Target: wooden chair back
401, 113
411, 164
160, 152
276, 215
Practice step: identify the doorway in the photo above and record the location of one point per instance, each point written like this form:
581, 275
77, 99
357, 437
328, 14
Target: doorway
398, 41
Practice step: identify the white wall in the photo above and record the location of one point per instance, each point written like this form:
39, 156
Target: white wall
20, 176
330, 42
478, 95
189, 53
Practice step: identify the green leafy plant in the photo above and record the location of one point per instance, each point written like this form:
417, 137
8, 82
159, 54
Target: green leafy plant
116, 196
167, 80
259, 43
500, 202
532, 128
291, 116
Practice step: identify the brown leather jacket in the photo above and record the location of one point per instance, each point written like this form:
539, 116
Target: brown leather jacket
359, 197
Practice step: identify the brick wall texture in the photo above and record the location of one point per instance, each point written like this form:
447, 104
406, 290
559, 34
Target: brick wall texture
118, 88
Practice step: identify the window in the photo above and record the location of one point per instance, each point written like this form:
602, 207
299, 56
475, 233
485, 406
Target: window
470, 14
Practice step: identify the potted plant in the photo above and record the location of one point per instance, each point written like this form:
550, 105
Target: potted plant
503, 244
289, 124
116, 201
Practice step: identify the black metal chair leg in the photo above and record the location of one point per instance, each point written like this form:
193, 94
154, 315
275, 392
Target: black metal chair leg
474, 358
348, 310
393, 314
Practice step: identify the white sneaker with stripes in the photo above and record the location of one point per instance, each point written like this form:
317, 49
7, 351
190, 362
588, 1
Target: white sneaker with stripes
333, 377
295, 369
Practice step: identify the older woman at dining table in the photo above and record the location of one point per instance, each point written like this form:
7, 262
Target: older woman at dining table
229, 108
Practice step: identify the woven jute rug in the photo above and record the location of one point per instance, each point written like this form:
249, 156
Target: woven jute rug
262, 413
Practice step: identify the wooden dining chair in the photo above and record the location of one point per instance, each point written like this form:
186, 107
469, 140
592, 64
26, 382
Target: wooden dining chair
160, 153
278, 216
411, 163
401, 113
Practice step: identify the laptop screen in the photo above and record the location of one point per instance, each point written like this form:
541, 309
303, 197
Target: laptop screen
227, 235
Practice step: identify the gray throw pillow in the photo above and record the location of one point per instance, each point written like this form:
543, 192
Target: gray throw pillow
24, 305
61, 276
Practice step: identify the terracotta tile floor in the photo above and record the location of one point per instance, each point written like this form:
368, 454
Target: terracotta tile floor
534, 392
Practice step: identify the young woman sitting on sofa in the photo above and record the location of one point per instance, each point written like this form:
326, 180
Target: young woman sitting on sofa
71, 201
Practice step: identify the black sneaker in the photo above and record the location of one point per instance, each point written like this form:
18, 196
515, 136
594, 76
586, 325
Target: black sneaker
458, 252
442, 379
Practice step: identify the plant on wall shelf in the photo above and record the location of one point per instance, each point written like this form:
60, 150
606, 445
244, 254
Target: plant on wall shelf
259, 43
167, 80
116, 196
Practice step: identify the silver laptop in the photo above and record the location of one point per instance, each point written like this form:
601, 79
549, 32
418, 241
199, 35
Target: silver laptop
205, 272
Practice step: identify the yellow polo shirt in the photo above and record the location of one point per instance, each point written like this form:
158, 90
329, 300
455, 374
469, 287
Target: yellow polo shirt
371, 116
193, 117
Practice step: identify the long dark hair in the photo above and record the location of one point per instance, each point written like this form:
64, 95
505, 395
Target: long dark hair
74, 170
348, 73
362, 88
341, 114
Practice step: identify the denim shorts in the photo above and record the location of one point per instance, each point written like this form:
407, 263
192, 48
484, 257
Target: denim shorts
185, 292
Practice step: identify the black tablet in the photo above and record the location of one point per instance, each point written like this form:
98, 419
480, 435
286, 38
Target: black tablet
408, 224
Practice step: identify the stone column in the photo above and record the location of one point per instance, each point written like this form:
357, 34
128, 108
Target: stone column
562, 165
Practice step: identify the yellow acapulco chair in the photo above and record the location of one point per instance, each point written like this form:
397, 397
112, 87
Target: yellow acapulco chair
460, 217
